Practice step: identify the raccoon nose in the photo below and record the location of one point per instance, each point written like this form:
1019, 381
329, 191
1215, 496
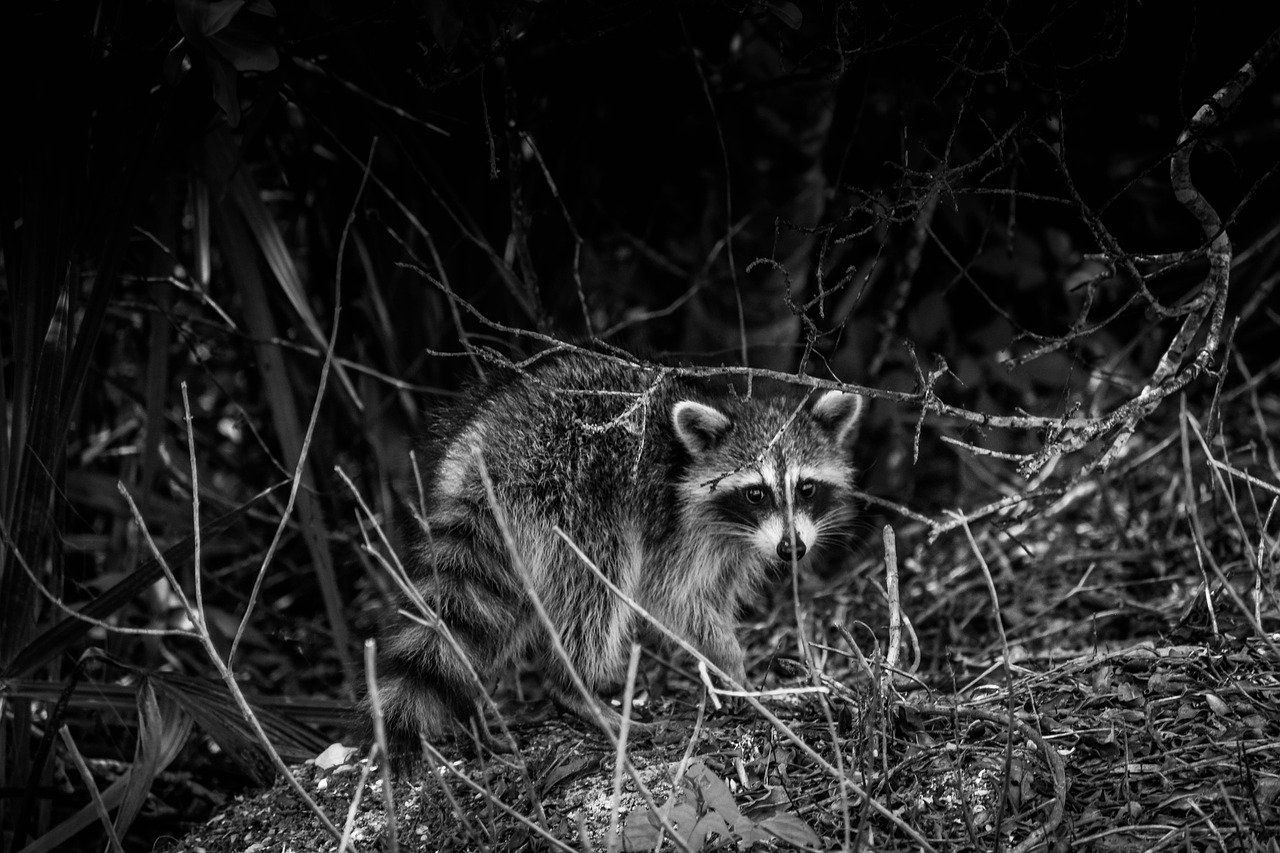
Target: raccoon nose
784, 548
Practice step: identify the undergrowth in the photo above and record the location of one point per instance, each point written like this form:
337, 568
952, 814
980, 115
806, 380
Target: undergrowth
247, 248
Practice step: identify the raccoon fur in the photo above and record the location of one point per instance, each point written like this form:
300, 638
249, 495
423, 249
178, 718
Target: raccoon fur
679, 496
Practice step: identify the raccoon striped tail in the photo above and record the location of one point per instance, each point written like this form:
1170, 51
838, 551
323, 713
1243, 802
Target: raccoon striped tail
426, 693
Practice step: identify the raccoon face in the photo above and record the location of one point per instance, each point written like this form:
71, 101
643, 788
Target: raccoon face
773, 479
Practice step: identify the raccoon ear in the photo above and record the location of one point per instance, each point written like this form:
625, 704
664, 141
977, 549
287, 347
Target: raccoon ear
699, 426
838, 412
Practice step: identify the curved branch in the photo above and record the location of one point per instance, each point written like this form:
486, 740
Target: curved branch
1214, 292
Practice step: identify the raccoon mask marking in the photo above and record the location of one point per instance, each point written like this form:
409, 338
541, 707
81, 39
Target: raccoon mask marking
683, 499
793, 494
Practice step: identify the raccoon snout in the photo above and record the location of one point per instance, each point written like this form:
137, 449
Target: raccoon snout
784, 548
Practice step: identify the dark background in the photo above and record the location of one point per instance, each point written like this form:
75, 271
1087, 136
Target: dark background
193, 190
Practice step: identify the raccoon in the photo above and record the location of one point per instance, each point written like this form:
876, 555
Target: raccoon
685, 500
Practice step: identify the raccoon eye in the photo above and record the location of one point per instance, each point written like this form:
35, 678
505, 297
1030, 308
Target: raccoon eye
755, 494
807, 489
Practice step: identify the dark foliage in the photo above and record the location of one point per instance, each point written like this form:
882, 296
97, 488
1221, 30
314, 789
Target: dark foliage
1017, 228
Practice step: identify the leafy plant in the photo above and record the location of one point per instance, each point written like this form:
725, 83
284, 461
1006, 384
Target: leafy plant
708, 811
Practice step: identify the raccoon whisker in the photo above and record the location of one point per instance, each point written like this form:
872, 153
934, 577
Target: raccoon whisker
726, 528
729, 526
837, 527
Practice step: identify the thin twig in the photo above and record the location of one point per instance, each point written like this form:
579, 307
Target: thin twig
620, 753
94, 794
228, 678
1008, 674
380, 739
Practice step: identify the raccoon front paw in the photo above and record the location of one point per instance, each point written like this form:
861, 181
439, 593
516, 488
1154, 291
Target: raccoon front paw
736, 671
594, 712
734, 668
721, 648
473, 736
737, 674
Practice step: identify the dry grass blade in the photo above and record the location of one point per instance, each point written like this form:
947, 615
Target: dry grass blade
156, 390
289, 426
34, 489
56, 838
162, 732
224, 162
87, 777
285, 721
7, 434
